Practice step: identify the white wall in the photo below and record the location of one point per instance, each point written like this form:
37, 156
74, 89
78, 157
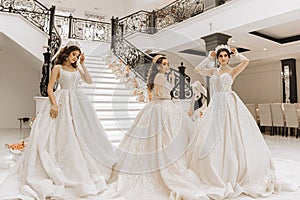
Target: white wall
263, 84
24, 33
260, 84
19, 83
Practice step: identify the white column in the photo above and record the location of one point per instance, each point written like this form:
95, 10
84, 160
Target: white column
39, 101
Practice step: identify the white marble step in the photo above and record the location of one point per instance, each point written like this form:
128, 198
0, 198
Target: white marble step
106, 91
122, 124
115, 86
115, 113
93, 58
99, 71
106, 80
96, 67
114, 129
94, 62
116, 133
112, 98
117, 118
117, 105
103, 74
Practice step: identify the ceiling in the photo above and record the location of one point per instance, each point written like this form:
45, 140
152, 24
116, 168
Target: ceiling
264, 42
262, 48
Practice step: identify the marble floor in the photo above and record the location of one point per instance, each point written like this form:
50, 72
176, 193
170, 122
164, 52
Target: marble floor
281, 148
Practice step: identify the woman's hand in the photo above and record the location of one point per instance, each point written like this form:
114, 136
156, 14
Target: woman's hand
234, 51
54, 111
172, 76
82, 58
190, 113
212, 54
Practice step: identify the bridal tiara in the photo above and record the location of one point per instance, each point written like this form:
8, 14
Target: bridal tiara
222, 46
72, 43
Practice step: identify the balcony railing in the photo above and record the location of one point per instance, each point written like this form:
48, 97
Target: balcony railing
151, 22
82, 29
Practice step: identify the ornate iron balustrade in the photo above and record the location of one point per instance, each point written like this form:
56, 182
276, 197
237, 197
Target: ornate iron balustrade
31, 10
151, 22
177, 11
83, 29
182, 88
137, 22
138, 61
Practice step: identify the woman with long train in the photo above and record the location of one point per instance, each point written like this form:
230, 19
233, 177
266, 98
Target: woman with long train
229, 153
152, 154
68, 155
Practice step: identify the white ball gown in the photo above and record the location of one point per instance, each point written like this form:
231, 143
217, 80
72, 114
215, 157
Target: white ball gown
67, 157
152, 154
229, 153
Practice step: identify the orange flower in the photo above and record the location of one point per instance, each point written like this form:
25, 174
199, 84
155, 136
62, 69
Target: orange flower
18, 146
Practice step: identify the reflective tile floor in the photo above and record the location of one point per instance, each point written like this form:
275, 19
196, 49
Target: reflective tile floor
281, 148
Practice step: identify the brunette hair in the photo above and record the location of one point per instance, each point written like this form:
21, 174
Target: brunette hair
153, 71
64, 54
221, 50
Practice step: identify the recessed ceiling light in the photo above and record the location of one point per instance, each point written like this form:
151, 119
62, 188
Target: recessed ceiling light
265, 49
233, 41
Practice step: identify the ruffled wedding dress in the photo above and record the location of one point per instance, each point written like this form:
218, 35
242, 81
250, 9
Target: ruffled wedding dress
152, 154
67, 157
229, 153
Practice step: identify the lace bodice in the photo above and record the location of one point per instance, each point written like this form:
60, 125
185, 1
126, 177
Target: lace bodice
68, 79
160, 81
221, 83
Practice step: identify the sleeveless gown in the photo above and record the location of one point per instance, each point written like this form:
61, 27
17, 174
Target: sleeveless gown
152, 154
67, 157
229, 153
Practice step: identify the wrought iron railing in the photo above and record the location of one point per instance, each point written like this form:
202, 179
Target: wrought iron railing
182, 88
140, 21
82, 29
151, 22
128, 53
33, 11
177, 11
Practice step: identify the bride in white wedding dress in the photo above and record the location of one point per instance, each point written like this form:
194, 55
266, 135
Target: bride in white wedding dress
152, 154
229, 153
68, 154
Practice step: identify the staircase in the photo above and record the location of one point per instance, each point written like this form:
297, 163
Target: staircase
114, 104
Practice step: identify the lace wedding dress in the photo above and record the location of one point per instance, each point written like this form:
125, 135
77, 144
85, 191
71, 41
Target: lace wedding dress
229, 153
67, 157
152, 154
